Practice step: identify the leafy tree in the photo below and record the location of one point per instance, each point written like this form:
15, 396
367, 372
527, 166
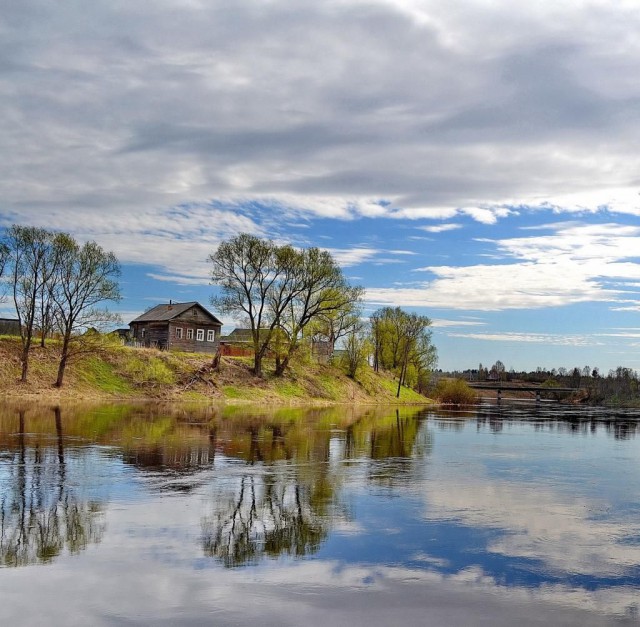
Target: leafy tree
332, 326
357, 349
278, 291
402, 343
258, 282
377, 327
412, 328
423, 360
86, 277
320, 290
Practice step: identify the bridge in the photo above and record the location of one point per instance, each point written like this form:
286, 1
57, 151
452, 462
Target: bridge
510, 387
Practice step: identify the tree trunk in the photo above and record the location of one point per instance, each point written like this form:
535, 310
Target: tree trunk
281, 365
25, 360
63, 360
403, 373
257, 363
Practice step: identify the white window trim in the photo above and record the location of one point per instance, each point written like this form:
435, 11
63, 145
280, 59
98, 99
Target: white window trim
178, 333
189, 334
211, 335
200, 335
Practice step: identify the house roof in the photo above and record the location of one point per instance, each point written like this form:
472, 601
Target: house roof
169, 311
241, 336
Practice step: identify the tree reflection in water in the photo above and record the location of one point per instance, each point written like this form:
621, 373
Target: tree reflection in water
40, 513
273, 480
268, 515
288, 496
280, 507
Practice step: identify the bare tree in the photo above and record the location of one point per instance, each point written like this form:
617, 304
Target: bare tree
32, 257
85, 278
4, 257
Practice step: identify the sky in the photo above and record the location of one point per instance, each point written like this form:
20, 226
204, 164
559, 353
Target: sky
473, 161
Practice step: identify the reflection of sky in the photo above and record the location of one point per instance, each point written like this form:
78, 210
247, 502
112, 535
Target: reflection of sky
535, 526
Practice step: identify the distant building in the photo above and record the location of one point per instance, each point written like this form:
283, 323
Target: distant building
239, 343
124, 334
9, 326
177, 326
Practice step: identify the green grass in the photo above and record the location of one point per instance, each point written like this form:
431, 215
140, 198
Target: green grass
289, 389
231, 391
102, 375
330, 386
194, 396
152, 371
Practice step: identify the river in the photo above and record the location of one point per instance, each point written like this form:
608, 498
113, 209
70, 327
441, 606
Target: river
179, 515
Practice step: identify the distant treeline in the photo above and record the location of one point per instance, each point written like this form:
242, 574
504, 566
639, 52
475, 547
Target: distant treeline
619, 386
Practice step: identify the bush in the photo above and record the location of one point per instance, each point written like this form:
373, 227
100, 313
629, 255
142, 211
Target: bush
454, 392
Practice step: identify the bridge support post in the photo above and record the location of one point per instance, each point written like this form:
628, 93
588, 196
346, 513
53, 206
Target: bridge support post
499, 395
537, 397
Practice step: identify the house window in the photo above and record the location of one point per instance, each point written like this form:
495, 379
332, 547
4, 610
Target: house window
142, 333
211, 335
200, 335
189, 334
178, 333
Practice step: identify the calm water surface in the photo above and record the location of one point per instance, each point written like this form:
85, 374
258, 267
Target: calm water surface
162, 515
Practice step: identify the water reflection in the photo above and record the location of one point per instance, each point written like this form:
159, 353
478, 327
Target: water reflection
41, 514
289, 506
530, 513
282, 498
621, 424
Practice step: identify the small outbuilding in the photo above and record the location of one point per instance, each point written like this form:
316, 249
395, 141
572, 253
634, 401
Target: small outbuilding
9, 326
177, 326
239, 343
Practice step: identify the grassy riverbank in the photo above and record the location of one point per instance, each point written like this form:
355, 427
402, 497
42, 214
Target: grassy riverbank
110, 371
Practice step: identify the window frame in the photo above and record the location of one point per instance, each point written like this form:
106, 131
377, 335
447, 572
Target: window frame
190, 334
178, 333
199, 335
211, 335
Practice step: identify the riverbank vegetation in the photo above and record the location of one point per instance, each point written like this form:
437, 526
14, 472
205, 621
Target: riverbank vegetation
107, 370
294, 300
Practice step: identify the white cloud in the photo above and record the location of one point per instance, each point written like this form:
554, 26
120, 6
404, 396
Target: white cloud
441, 228
557, 528
115, 110
179, 280
441, 323
577, 263
347, 257
535, 338
486, 215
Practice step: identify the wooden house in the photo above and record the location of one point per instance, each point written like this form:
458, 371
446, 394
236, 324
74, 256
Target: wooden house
177, 326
